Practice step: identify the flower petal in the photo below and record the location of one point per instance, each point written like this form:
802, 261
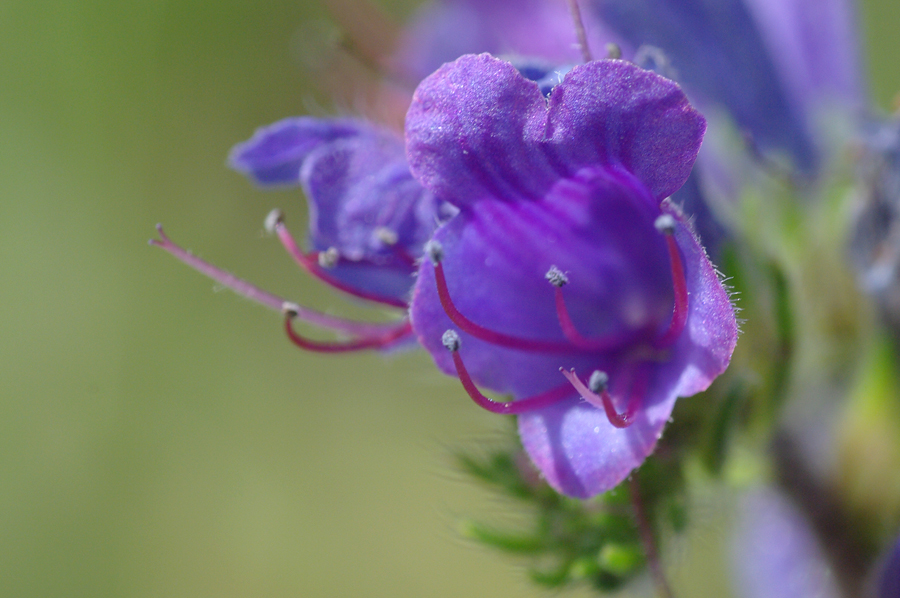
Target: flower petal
274, 154
612, 112
365, 203
576, 448
579, 453
363, 200
466, 130
477, 129
815, 48
597, 230
495, 261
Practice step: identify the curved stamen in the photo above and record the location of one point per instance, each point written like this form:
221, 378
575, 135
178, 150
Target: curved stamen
492, 336
389, 238
254, 293
374, 341
313, 263
486, 334
533, 403
579, 31
598, 396
666, 225
558, 279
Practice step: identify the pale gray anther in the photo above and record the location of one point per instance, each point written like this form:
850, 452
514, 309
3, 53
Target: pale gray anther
665, 224
273, 219
435, 251
654, 59
613, 51
598, 381
329, 258
386, 235
451, 340
289, 308
556, 277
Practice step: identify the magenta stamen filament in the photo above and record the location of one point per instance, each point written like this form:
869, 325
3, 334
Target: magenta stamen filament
604, 400
510, 341
680, 310
580, 34
582, 342
665, 340
310, 263
254, 293
373, 341
539, 401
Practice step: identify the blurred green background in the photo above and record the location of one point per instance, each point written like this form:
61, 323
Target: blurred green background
158, 438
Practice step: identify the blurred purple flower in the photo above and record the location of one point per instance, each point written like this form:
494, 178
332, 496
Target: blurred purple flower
875, 241
888, 583
525, 29
773, 64
572, 189
775, 553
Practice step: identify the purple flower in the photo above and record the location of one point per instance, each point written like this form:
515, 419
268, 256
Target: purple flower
875, 243
566, 255
889, 574
556, 246
369, 220
367, 213
775, 552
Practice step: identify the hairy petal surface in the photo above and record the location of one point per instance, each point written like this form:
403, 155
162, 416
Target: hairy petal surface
275, 153
477, 129
612, 112
363, 200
